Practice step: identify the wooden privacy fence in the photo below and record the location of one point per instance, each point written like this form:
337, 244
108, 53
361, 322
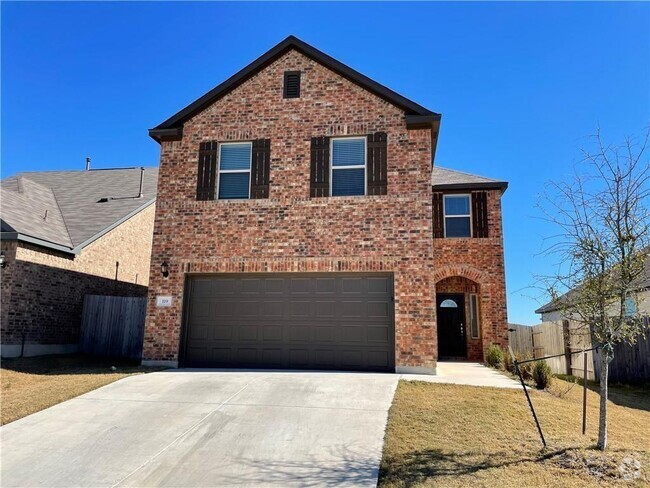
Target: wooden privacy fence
113, 326
551, 338
521, 339
631, 364
548, 339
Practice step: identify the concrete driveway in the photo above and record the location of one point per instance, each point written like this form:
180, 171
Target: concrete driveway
203, 428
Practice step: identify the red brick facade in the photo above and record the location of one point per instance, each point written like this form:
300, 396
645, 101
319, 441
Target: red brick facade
291, 232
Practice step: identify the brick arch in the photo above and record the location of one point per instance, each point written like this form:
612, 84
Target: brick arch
463, 270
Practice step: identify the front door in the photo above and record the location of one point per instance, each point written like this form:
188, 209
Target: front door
451, 326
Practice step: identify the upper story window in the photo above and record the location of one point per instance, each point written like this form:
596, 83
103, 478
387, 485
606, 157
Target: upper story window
234, 170
458, 222
629, 307
348, 163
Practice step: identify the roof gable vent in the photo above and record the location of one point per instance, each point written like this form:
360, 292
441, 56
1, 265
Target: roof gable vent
291, 84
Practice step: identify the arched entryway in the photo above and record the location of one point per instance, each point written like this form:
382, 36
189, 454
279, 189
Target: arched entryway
458, 319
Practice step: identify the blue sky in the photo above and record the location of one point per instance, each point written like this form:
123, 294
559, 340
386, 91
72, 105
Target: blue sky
520, 85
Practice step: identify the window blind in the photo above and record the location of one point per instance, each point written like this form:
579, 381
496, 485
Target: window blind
234, 170
348, 152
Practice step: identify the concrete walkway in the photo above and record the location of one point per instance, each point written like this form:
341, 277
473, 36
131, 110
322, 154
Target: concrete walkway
473, 374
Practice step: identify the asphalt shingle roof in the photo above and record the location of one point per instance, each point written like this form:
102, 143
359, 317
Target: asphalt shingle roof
72, 201
448, 178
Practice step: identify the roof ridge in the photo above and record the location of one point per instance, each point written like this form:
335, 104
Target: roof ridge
65, 224
94, 170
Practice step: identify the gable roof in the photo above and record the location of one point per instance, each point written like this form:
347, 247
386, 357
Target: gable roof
62, 209
416, 115
449, 179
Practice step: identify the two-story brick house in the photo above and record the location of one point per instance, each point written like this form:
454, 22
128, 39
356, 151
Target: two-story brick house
299, 224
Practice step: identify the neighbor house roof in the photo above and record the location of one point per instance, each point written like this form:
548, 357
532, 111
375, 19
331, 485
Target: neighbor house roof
67, 210
449, 179
416, 115
641, 283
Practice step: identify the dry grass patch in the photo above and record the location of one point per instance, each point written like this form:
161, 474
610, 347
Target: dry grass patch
453, 436
33, 384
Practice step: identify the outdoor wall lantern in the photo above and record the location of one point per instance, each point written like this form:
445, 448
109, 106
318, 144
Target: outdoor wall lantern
3, 261
164, 269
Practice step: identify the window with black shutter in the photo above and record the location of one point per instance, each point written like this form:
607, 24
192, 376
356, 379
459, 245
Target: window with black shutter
207, 171
377, 164
460, 215
319, 179
291, 84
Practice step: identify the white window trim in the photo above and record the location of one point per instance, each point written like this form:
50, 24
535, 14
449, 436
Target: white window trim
356, 166
478, 316
445, 217
225, 171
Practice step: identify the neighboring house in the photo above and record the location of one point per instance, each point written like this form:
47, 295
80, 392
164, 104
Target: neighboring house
631, 363
299, 225
639, 301
66, 234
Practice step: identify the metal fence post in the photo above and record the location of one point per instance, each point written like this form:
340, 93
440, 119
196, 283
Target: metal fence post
530, 403
584, 393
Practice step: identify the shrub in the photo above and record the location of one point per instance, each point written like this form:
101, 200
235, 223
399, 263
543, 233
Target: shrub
542, 374
508, 361
495, 356
525, 369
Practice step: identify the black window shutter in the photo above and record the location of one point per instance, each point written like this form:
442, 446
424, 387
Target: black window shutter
319, 181
377, 164
260, 168
438, 217
207, 170
479, 214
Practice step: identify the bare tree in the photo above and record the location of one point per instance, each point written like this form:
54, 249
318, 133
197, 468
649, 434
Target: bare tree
603, 225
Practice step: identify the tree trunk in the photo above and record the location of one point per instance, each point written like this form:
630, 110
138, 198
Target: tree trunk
602, 421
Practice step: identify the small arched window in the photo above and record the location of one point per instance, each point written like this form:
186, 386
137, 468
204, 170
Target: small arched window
448, 304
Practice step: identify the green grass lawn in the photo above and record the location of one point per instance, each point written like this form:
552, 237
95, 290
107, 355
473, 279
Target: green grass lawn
453, 436
32, 384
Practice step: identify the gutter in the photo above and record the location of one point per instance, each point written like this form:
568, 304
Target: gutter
17, 236
498, 185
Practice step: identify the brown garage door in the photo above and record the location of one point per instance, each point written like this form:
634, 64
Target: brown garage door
311, 321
